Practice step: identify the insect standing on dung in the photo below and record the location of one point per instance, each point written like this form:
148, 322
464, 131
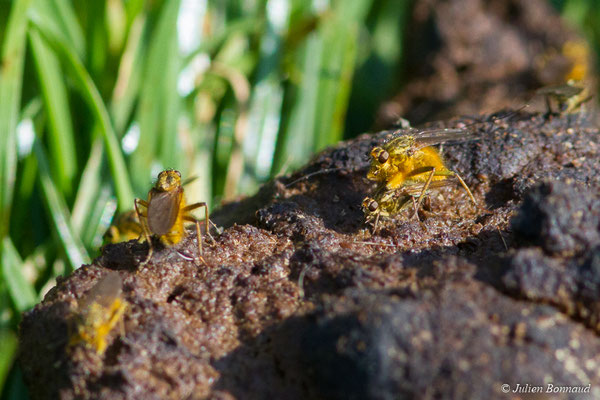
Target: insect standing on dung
99, 311
125, 226
407, 166
165, 212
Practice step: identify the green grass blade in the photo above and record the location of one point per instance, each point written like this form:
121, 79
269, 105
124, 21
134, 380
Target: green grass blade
169, 151
94, 100
223, 146
97, 40
8, 351
65, 15
375, 77
263, 125
6, 305
15, 389
54, 92
159, 99
57, 209
265, 104
38, 261
243, 26
315, 105
167, 40
60, 16
21, 292
330, 86
101, 213
340, 36
88, 188
295, 143
129, 77
11, 80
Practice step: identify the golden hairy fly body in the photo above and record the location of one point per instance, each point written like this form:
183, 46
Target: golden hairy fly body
99, 311
418, 167
99, 322
386, 203
407, 166
408, 157
165, 212
126, 226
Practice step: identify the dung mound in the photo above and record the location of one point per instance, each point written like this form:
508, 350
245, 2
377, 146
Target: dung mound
300, 300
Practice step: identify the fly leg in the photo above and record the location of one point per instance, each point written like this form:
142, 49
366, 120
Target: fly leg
464, 185
416, 213
414, 203
376, 223
187, 217
194, 206
425, 187
198, 235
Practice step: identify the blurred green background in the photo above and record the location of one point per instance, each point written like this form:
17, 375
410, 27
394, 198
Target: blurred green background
97, 97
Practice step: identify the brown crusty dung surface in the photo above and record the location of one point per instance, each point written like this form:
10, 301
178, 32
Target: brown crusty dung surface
437, 309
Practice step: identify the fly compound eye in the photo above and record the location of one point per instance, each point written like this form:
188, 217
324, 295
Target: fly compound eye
373, 206
383, 157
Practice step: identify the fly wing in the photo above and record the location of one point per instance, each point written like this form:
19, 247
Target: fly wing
417, 188
104, 292
163, 208
565, 90
432, 137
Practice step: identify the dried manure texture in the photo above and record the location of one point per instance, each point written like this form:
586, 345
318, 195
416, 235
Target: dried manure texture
300, 300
